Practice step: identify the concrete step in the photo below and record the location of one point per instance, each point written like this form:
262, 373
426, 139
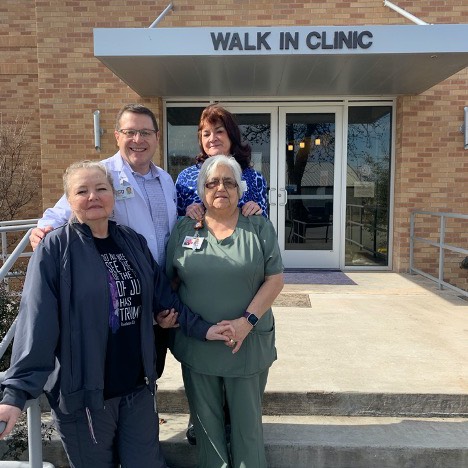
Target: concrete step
330, 442
342, 442
418, 405
341, 404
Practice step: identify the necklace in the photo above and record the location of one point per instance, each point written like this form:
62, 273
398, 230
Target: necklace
198, 225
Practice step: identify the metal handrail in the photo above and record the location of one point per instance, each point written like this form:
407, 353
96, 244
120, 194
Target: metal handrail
9, 261
33, 408
13, 226
441, 245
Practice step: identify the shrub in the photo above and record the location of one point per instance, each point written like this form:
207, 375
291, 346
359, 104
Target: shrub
9, 306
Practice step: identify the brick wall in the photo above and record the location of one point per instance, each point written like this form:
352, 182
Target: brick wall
73, 84
431, 164
48, 71
18, 78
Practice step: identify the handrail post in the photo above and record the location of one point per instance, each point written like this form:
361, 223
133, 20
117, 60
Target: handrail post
361, 219
375, 230
34, 434
411, 252
441, 251
4, 247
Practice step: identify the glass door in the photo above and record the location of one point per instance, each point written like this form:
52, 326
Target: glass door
309, 186
299, 152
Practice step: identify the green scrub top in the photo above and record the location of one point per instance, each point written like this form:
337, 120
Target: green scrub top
219, 281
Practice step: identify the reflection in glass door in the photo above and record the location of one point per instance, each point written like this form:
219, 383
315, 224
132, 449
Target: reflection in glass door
255, 128
258, 126
309, 187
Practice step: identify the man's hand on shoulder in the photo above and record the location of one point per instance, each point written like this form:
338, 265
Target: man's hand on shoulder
37, 234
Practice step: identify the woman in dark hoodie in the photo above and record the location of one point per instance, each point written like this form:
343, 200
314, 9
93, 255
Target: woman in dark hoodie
85, 332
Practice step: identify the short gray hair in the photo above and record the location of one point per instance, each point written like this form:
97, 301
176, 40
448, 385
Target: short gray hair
86, 164
211, 164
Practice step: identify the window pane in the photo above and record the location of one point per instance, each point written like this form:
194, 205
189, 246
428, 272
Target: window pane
368, 185
310, 176
182, 138
255, 130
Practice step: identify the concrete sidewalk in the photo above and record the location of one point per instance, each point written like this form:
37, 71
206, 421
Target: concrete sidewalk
372, 375
389, 333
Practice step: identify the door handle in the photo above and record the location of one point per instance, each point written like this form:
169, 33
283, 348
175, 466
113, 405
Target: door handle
272, 189
285, 197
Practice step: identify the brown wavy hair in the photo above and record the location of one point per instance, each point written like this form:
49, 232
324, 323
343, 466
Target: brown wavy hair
214, 114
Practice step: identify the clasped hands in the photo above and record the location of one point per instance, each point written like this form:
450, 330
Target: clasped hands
232, 332
241, 329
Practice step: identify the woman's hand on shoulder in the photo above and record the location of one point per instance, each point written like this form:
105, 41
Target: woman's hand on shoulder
195, 211
251, 208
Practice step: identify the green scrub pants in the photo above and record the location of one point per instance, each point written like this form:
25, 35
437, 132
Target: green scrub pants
206, 395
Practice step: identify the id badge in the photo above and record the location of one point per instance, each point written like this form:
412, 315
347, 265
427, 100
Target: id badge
124, 192
192, 242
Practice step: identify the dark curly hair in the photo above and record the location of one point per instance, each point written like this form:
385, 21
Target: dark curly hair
214, 114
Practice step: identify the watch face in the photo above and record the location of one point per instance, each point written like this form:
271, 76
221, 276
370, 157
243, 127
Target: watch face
252, 319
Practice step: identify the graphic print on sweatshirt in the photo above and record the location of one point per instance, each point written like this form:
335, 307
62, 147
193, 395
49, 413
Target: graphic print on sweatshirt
123, 366
124, 291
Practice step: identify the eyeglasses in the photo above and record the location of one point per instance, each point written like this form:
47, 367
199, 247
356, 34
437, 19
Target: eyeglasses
227, 184
130, 133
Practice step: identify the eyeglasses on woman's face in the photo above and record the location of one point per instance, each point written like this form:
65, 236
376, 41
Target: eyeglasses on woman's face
228, 184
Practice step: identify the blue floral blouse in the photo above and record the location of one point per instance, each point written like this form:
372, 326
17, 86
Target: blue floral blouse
186, 185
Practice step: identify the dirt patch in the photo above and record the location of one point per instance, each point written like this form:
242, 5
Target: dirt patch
292, 300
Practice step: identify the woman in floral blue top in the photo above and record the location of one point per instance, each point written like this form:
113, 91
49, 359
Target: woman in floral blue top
218, 133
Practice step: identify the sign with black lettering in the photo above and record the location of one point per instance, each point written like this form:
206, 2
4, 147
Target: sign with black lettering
326, 40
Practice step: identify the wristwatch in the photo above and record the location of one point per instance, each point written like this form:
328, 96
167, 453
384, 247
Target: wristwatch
251, 318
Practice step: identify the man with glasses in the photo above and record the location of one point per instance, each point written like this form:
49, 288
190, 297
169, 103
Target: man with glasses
145, 194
